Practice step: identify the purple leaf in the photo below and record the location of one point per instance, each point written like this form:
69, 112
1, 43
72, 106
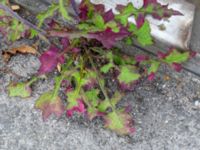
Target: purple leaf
80, 108
65, 42
141, 58
49, 104
151, 76
75, 50
177, 67
108, 38
99, 8
160, 11
161, 55
49, 60
108, 16
140, 20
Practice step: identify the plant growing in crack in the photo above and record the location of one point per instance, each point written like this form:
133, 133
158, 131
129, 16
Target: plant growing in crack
86, 53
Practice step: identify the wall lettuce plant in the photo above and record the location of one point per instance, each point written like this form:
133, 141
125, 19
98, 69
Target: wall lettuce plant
87, 54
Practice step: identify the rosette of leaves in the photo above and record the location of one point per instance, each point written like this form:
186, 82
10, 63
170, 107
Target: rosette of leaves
87, 54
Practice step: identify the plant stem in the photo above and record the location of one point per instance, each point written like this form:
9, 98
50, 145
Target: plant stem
41, 33
100, 84
16, 16
70, 35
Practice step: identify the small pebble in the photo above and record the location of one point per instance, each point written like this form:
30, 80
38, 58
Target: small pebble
197, 103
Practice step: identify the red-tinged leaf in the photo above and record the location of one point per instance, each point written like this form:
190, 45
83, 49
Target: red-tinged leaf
80, 108
161, 55
92, 99
120, 122
108, 38
19, 89
140, 20
157, 10
141, 58
177, 67
49, 104
193, 54
90, 80
147, 2
128, 75
100, 8
75, 50
128, 87
91, 84
53, 24
108, 16
86, 9
174, 56
50, 59
83, 15
65, 42
151, 76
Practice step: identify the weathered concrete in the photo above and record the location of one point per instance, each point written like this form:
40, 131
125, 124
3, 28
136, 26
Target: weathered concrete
166, 114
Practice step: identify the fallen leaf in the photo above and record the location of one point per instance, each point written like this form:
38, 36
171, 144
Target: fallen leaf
24, 49
15, 7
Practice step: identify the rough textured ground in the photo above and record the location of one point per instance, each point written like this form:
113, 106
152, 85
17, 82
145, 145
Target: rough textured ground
166, 113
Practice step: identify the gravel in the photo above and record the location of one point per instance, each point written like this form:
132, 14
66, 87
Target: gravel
24, 65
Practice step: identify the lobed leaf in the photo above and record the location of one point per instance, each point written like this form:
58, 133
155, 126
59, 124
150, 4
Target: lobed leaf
50, 59
176, 57
120, 122
19, 89
127, 75
144, 34
49, 103
108, 38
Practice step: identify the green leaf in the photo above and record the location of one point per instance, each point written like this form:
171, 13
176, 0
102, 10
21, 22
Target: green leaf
177, 57
144, 34
98, 21
84, 26
63, 10
92, 99
90, 74
106, 68
46, 14
113, 25
104, 105
127, 11
127, 75
72, 98
19, 90
92, 96
120, 122
17, 28
128, 41
154, 66
33, 32
132, 28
